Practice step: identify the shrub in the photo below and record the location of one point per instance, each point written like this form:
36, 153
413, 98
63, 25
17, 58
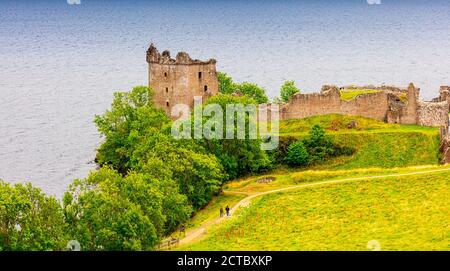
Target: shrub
297, 155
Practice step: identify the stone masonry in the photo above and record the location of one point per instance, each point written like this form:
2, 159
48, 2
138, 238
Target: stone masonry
385, 105
177, 81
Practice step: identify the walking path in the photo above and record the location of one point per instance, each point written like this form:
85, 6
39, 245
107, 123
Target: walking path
196, 233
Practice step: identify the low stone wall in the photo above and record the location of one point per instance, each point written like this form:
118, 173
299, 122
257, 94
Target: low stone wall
433, 113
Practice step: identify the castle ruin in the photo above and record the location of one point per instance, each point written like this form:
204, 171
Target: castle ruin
388, 104
177, 81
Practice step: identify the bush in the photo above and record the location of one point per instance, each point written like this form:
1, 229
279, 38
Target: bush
279, 154
319, 145
316, 148
297, 155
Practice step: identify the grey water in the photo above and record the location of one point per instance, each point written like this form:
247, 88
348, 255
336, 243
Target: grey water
60, 64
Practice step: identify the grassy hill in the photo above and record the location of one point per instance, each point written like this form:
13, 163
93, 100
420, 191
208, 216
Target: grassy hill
377, 144
391, 190
406, 212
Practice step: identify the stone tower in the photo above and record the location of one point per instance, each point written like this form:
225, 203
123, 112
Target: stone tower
177, 81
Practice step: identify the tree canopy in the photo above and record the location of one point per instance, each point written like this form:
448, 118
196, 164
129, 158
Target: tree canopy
252, 90
288, 89
30, 220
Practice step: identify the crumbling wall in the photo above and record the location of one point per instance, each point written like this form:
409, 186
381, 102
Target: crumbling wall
433, 113
444, 95
372, 105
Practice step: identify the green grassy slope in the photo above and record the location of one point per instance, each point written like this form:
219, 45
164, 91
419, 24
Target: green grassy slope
377, 144
400, 213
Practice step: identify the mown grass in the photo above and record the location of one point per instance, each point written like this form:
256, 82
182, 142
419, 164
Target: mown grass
350, 94
401, 213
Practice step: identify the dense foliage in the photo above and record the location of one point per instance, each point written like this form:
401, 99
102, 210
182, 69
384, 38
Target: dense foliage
315, 148
132, 118
237, 156
297, 155
149, 182
107, 211
288, 89
252, 90
30, 220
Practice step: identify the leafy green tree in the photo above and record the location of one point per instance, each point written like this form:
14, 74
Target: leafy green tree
137, 137
132, 116
30, 220
253, 91
198, 174
226, 84
288, 89
297, 155
109, 212
237, 156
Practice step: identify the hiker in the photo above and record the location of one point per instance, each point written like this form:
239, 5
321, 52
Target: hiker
221, 212
182, 230
227, 209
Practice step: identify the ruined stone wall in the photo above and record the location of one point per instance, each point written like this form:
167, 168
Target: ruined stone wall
409, 112
444, 94
385, 105
372, 105
178, 80
433, 113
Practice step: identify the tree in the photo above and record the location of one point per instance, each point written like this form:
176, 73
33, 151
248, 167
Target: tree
254, 91
288, 89
226, 84
297, 155
132, 117
237, 156
109, 212
198, 174
30, 220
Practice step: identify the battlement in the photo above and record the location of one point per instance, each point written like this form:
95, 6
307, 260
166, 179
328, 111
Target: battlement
182, 58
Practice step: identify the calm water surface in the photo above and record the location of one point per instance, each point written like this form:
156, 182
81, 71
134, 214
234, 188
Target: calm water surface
60, 63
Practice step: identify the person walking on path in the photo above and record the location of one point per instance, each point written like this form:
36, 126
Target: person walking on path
227, 209
221, 212
182, 230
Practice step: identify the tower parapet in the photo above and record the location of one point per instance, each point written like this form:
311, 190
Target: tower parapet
179, 80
